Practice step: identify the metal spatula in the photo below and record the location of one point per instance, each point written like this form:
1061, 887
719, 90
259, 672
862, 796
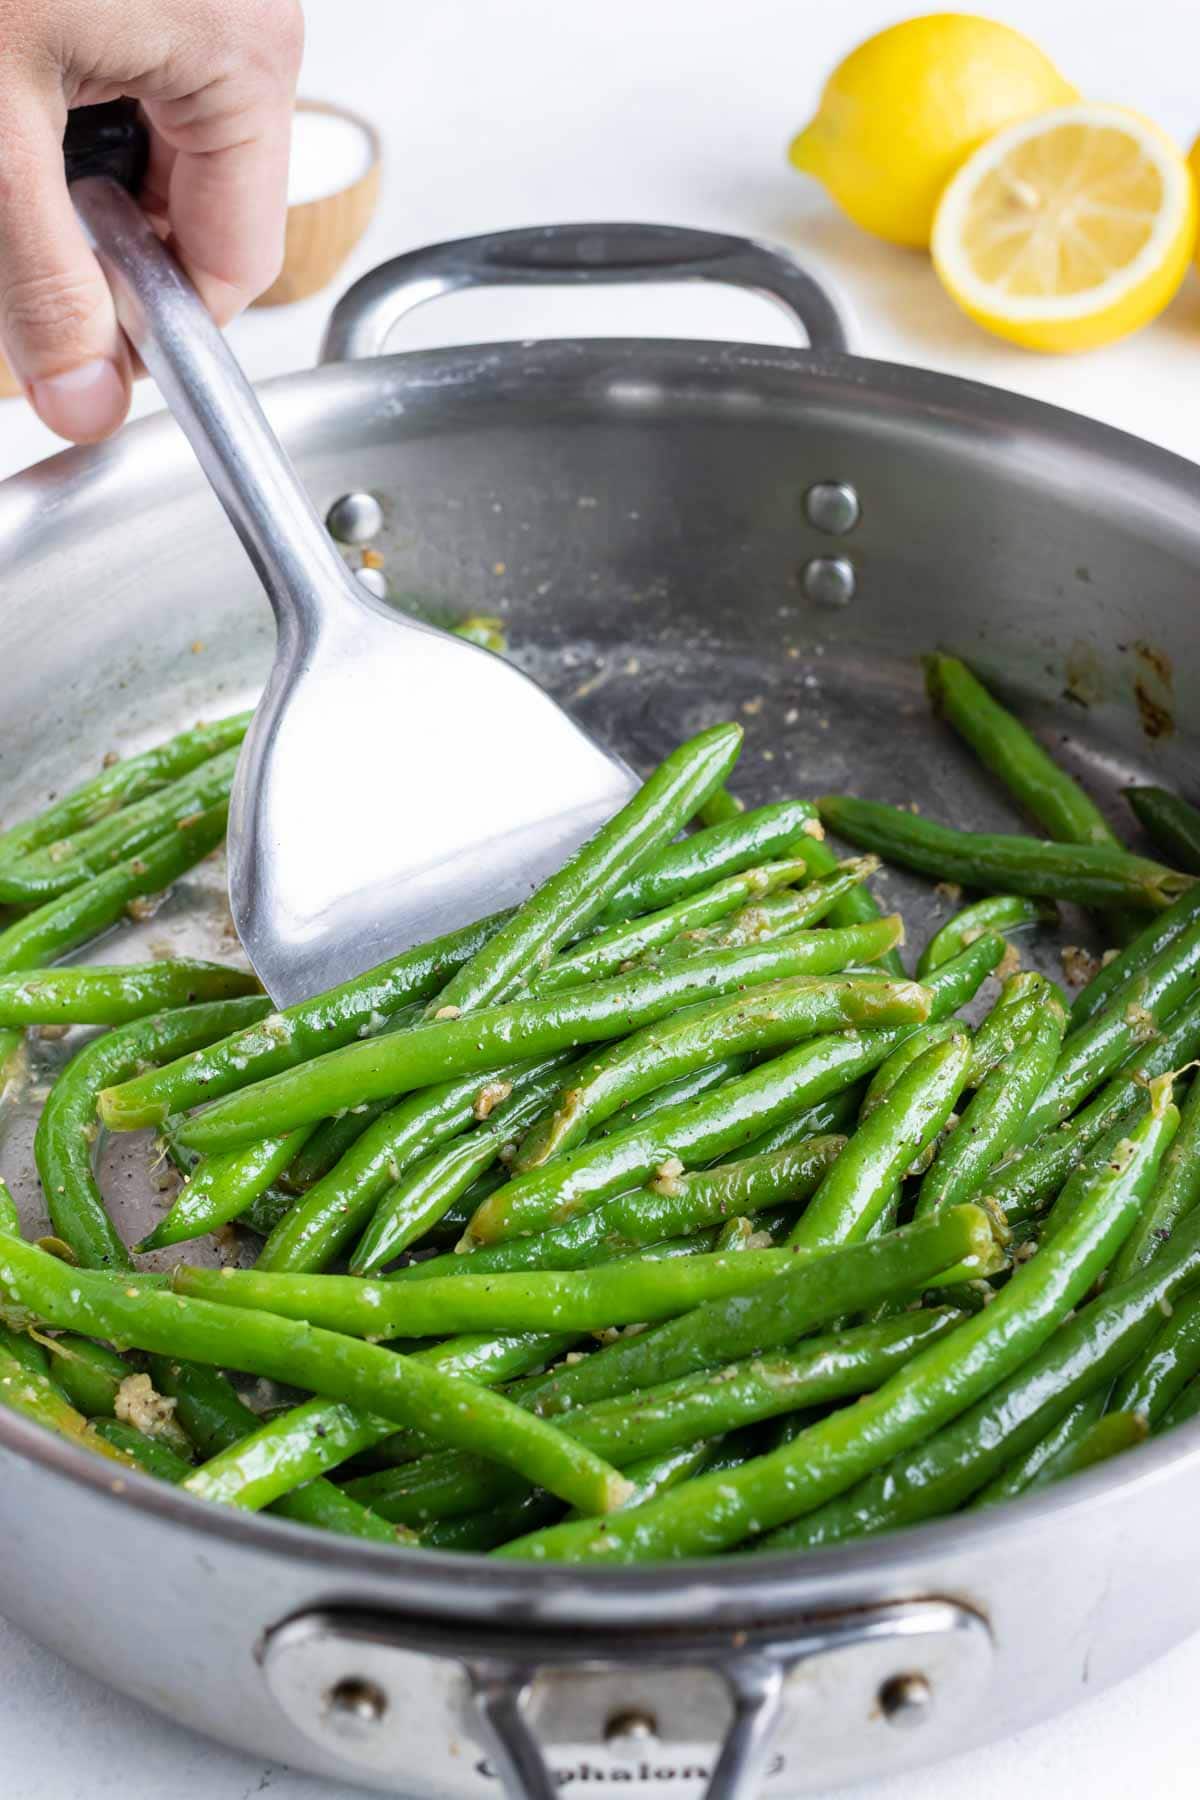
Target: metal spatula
396, 782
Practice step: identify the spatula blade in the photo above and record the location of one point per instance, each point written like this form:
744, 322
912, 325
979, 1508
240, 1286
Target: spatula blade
410, 784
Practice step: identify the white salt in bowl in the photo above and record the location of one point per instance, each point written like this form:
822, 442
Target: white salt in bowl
333, 189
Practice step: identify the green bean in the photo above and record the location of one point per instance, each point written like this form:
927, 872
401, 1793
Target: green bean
817, 1373
859, 906
1023, 1184
323, 1147
89, 1374
1109, 1436
914, 1046
10, 1218
484, 629
765, 1019
1024, 1471
117, 994
92, 1376
1091, 874
150, 1455
817, 1291
11, 1043
720, 807
23, 1347
494, 1360
1185, 1408
737, 1234
1176, 1193
605, 952
626, 1292
61, 925
26, 1391
1005, 747
669, 1416
590, 878
451, 1486
1173, 824
278, 1455
424, 1193
310, 1028
1021, 999
768, 833
716, 1125
1155, 1380
475, 1042
222, 1187
992, 1122
45, 874
1009, 750
400, 1388
1135, 1011
266, 1211
327, 1144
999, 912
658, 1474
865, 1175
933, 1388
306, 1030
673, 1093
333, 1212
1079, 1361
1153, 938
774, 916
120, 784
63, 1142
673, 1206
495, 1525
835, 1115
215, 1419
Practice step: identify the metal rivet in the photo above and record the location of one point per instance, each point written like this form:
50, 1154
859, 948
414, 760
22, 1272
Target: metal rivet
357, 1701
828, 580
373, 581
906, 1701
832, 506
355, 519
635, 1727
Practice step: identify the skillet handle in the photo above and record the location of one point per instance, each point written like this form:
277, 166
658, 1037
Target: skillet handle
109, 139
755, 1686
838, 1696
575, 255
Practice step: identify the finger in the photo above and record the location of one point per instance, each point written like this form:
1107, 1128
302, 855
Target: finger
57, 322
227, 184
228, 210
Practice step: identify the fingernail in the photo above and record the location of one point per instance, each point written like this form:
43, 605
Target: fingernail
82, 404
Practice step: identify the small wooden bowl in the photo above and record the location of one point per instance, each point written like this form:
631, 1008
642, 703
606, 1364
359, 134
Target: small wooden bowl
321, 233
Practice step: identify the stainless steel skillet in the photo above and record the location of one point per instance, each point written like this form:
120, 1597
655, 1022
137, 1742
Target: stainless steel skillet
675, 531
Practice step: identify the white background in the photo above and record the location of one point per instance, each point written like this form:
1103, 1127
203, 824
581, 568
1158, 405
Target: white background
535, 111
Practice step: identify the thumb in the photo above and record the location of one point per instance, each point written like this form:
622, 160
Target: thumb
57, 322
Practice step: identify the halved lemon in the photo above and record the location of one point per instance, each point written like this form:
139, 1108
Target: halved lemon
1068, 230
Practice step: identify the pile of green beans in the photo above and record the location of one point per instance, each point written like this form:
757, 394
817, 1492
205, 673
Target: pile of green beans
663, 1215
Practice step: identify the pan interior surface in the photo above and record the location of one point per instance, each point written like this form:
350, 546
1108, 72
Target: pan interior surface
647, 521
642, 519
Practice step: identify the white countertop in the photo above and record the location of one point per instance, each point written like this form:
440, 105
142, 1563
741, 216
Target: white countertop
675, 111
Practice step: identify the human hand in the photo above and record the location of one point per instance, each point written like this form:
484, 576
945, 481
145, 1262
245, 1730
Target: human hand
215, 79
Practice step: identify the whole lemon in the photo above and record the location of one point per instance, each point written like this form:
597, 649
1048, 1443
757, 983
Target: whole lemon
1194, 166
901, 113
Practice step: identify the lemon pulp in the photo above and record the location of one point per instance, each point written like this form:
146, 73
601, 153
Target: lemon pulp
1067, 231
